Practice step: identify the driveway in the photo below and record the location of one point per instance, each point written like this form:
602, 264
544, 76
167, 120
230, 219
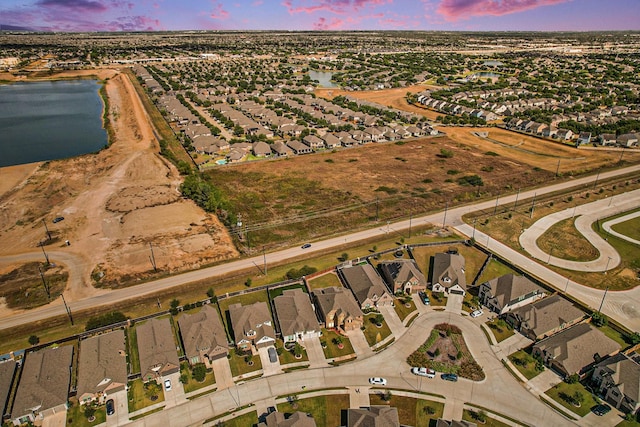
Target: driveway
392, 319
359, 343
269, 367
315, 353
59, 419
175, 396
222, 372
454, 303
121, 405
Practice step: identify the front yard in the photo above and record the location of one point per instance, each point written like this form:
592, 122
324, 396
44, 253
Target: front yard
332, 341
372, 332
287, 356
241, 363
76, 416
526, 364
402, 309
572, 395
478, 416
500, 329
326, 410
412, 411
141, 394
191, 383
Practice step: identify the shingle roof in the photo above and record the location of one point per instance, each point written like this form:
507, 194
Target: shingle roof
625, 374
254, 317
102, 363
374, 416
364, 282
451, 266
548, 314
295, 312
509, 287
203, 330
339, 299
402, 270
7, 371
156, 347
44, 382
297, 419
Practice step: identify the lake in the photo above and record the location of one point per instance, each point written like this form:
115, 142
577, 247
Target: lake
323, 77
50, 120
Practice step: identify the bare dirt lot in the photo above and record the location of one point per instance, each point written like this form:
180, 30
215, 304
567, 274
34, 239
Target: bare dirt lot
118, 205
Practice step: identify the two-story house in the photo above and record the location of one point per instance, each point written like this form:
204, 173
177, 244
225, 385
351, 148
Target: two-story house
295, 316
338, 309
252, 326
617, 379
203, 336
447, 274
403, 275
507, 292
367, 286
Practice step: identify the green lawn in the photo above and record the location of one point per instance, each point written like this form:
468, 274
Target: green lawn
324, 281
278, 291
524, 363
630, 228
137, 397
490, 422
76, 417
372, 333
192, 384
494, 269
614, 335
563, 389
332, 349
246, 420
288, 357
240, 367
134, 357
625, 423
436, 299
326, 410
411, 411
402, 310
500, 329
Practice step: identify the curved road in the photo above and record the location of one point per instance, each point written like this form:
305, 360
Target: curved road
628, 315
607, 227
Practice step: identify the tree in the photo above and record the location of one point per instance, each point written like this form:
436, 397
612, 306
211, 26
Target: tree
379, 319
386, 396
577, 398
199, 372
89, 411
34, 340
572, 379
297, 350
599, 319
248, 282
151, 390
174, 303
481, 416
184, 378
210, 293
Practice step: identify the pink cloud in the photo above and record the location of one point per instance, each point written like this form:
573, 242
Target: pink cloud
85, 5
323, 25
453, 10
218, 11
333, 6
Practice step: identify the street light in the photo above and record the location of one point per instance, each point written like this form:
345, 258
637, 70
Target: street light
607, 266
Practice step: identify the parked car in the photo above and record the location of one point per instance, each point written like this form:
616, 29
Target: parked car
111, 407
306, 246
167, 385
601, 409
377, 381
58, 219
449, 377
424, 372
273, 355
476, 313
424, 298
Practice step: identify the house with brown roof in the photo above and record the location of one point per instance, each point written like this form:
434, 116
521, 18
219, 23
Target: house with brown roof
403, 275
617, 379
203, 336
295, 316
313, 142
44, 384
157, 349
447, 273
7, 373
545, 317
261, 149
338, 309
507, 292
366, 285
297, 419
575, 350
454, 423
373, 416
252, 325
299, 148
102, 366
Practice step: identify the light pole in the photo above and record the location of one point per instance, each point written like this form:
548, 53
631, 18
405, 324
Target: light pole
607, 266
566, 286
603, 297
550, 252
473, 236
446, 206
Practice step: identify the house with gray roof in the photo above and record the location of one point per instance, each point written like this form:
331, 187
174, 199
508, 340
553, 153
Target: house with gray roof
299, 148
295, 316
313, 142
203, 336
7, 373
507, 292
544, 317
575, 350
252, 325
297, 419
261, 149
338, 308
366, 285
403, 275
44, 384
373, 416
617, 379
447, 273
102, 366
157, 349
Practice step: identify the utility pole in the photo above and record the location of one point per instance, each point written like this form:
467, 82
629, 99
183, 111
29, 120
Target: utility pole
473, 236
495, 209
533, 203
603, 297
558, 168
45, 254
264, 255
66, 307
596, 181
46, 229
44, 282
410, 217
377, 211
153, 258
446, 206
515, 205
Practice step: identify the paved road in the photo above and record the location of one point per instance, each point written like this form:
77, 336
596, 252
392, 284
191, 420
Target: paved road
607, 227
499, 391
453, 218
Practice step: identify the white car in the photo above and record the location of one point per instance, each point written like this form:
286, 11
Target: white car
476, 313
167, 385
424, 372
377, 381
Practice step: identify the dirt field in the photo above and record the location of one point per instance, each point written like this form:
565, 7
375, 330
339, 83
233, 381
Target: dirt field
115, 204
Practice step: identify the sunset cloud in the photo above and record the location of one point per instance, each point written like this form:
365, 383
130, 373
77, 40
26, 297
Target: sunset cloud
219, 11
453, 10
333, 6
85, 5
322, 24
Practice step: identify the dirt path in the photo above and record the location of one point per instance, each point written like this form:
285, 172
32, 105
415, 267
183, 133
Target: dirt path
117, 204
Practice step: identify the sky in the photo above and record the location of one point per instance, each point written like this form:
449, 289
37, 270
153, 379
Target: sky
320, 15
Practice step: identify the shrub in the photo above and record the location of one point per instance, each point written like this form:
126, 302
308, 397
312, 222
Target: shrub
199, 371
34, 340
445, 154
105, 320
472, 180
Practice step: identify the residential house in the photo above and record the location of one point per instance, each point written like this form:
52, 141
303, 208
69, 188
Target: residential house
157, 349
403, 275
331, 141
261, 149
373, 416
313, 142
617, 379
280, 149
102, 366
507, 292
576, 349
252, 326
628, 140
447, 274
44, 384
564, 134
203, 336
338, 309
297, 419
7, 373
608, 139
583, 138
545, 317
295, 316
453, 423
299, 148
367, 286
